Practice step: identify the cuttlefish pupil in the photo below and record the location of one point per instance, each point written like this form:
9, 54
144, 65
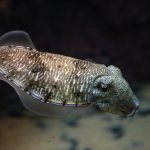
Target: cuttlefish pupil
53, 84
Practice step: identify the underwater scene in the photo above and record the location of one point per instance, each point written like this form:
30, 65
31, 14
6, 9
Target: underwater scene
74, 75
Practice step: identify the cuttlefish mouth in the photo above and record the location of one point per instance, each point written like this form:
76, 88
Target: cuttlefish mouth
128, 112
132, 108
123, 109
132, 113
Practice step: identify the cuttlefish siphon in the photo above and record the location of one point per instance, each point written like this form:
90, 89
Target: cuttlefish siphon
52, 84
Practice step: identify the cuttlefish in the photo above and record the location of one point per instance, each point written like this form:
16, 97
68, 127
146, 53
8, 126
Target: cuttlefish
52, 84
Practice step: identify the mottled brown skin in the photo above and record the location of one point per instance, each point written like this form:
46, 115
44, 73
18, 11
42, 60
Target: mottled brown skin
66, 81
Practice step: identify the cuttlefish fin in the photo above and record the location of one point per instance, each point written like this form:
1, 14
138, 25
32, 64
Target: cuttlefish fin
46, 109
90, 60
16, 38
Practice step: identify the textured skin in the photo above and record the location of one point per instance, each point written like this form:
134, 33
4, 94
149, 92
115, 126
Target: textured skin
50, 77
66, 81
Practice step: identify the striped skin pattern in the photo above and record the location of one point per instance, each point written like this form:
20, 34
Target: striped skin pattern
51, 78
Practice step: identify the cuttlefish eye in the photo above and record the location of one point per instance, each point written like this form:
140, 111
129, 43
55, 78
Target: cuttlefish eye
103, 87
103, 83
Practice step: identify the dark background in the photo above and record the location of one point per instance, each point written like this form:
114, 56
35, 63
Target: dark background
109, 31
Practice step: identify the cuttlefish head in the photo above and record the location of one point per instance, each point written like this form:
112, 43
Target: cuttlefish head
114, 95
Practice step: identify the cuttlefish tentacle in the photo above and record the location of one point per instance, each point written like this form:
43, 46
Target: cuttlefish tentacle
57, 85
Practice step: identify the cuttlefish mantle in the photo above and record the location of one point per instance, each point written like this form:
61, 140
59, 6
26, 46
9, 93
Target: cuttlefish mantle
58, 85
